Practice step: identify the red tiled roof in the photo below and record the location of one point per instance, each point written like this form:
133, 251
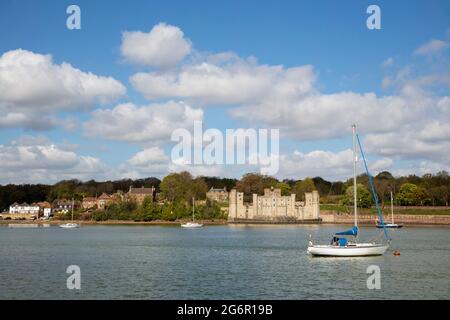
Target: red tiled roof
105, 196
141, 191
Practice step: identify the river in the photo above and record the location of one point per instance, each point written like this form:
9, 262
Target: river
216, 262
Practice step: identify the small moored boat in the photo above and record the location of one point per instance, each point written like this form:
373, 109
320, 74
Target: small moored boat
192, 224
391, 225
70, 225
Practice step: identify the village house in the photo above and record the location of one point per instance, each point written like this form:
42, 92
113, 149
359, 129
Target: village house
24, 210
138, 194
97, 202
88, 203
45, 209
64, 205
104, 200
217, 194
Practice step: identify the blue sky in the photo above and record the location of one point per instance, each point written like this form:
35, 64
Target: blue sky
329, 36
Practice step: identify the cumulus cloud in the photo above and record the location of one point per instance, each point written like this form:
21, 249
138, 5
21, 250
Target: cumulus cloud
31, 84
37, 159
233, 81
163, 47
141, 124
389, 62
418, 145
274, 96
316, 163
322, 116
32, 81
432, 47
153, 161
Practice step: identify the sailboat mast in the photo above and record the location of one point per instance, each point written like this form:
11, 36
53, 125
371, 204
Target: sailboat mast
392, 207
72, 209
355, 204
193, 203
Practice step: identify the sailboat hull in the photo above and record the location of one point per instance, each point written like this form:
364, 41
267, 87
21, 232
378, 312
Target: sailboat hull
192, 225
358, 250
69, 225
390, 225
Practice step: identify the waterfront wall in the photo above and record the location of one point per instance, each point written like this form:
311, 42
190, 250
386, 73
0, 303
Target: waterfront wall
407, 219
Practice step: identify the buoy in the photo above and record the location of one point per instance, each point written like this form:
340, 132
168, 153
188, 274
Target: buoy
396, 253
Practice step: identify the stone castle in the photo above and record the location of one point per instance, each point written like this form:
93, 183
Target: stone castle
272, 207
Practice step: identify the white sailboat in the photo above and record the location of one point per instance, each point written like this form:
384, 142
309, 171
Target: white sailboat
391, 225
70, 225
341, 246
192, 224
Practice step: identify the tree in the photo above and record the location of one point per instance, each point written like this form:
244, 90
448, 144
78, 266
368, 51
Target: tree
284, 187
383, 183
303, 186
177, 186
410, 194
199, 188
324, 187
364, 197
439, 195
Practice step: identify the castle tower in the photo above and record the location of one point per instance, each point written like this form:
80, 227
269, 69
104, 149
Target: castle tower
315, 205
255, 212
232, 210
236, 209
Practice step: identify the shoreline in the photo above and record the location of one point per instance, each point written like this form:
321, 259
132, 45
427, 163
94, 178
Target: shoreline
111, 222
342, 220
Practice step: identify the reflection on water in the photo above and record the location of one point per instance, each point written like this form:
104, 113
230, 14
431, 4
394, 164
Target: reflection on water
216, 262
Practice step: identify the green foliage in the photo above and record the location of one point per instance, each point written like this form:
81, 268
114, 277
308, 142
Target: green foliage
410, 195
364, 197
303, 186
255, 183
284, 187
181, 186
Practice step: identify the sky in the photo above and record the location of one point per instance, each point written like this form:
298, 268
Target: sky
102, 102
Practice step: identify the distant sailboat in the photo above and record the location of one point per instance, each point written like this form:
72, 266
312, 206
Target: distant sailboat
192, 224
70, 225
391, 225
341, 246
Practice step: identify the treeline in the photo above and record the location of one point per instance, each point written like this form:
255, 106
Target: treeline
429, 189
149, 211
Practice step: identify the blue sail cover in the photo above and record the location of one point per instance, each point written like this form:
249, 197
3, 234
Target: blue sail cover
351, 232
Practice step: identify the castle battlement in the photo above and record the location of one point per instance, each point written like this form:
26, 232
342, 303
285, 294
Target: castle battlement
272, 207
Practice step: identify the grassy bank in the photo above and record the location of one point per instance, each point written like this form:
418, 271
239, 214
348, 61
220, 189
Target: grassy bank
387, 210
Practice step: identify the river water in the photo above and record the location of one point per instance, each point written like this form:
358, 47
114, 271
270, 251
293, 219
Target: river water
216, 262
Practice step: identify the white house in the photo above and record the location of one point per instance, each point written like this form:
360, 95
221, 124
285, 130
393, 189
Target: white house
24, 208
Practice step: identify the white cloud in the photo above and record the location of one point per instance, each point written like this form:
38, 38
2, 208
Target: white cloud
148, 162
33, 89
322, 116
389, 62
178, 165
153, 161
421, 168
147, 124
332, 165
233, 81
432, 145
289, 99
37, 159
32, 81
432, 47
164, 46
